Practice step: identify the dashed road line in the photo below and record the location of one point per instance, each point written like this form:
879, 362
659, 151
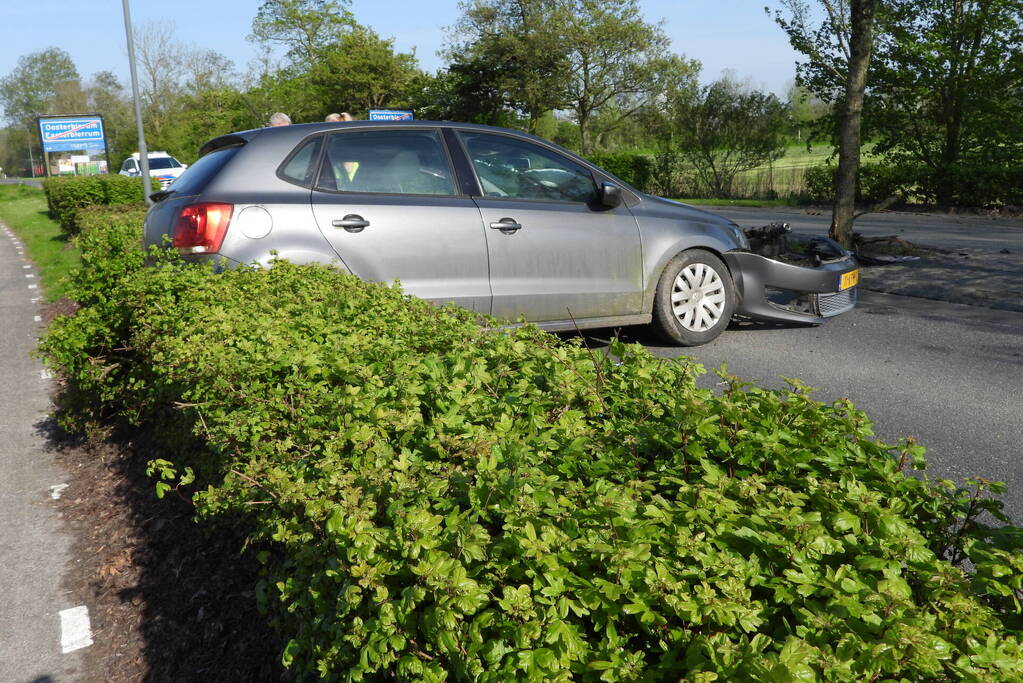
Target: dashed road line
56, 490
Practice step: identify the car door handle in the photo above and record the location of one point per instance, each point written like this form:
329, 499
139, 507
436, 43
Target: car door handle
507, 225
352, 223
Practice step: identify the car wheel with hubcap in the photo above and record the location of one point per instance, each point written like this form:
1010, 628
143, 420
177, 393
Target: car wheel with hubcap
694, 300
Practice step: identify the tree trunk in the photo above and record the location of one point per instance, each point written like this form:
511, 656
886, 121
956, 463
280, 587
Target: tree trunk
861, 42
584, 130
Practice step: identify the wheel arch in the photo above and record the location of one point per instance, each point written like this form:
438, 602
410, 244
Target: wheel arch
654, 274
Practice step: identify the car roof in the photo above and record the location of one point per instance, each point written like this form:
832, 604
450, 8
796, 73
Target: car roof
299, 131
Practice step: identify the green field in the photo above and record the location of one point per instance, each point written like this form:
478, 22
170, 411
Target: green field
23, 209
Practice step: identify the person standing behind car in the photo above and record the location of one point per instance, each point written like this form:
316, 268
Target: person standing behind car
280, 119
343, 116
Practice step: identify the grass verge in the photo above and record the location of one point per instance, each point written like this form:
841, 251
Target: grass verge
23, 209
739, 202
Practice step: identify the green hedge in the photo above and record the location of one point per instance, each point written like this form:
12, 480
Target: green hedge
439, 501
965, 184
635, 168
974, 184
65, 195
876, 182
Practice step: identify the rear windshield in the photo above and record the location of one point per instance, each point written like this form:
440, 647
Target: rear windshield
197, 176
164, 162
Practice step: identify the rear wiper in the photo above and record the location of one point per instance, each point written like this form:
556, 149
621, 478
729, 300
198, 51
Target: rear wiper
160, 195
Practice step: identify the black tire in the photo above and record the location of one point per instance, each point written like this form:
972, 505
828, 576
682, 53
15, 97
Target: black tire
704, 299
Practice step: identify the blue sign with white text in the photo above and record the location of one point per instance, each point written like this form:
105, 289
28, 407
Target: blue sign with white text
390, 115
72, 133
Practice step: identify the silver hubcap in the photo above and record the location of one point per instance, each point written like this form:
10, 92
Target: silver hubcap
698, 297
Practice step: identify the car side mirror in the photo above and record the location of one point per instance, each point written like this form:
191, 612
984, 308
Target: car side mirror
610, 195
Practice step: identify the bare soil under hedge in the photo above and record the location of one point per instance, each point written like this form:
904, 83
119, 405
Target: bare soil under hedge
169, 599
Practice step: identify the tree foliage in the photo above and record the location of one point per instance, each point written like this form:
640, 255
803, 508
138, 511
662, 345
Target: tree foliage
32, 89
619, 62
306, 28
724, 129
947, 88
598, 60
519, 45
362, 71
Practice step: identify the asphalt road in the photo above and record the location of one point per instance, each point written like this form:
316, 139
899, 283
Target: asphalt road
935, 230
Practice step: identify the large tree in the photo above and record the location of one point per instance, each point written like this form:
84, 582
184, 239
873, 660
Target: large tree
33, 87
618, 62
596, 59
726, 128
947, 88
518, 45
41, 83
363, 71
304, 27
837, 37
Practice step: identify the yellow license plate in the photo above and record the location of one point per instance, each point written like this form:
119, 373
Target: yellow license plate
850, 279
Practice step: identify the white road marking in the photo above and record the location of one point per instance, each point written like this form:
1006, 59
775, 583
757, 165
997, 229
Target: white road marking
26, 266
75, 632
29, 275
56, 490
36, 299
33, 286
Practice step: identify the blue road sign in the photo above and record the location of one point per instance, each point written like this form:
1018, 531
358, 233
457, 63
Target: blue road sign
61, 134
390, 115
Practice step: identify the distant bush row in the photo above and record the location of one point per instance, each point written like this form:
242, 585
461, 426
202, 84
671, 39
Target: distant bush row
974, 185
436, 500
66, 195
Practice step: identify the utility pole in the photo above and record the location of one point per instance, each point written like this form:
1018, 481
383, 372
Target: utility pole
147, 186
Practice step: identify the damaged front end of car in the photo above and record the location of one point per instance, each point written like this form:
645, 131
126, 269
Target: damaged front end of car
792, 277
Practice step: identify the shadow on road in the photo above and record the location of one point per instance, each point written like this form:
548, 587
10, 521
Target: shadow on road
642, 334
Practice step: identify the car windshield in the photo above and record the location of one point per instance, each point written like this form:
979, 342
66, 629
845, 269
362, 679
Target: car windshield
163, 162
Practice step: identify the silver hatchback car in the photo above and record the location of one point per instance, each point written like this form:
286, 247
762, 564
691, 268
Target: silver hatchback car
497, 221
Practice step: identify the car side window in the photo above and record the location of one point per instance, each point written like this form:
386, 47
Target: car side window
386, 161
301, 166
518, 169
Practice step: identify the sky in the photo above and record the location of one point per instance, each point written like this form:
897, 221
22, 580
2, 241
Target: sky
722, 34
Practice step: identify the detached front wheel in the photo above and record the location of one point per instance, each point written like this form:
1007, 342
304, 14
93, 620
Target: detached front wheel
694, 300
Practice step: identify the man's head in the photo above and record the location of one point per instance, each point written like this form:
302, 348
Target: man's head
280, 119
331, 118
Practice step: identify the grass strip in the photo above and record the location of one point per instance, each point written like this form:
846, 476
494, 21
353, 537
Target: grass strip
23, 209
738, 202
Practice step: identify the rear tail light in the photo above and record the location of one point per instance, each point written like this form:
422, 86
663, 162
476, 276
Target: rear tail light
200, 228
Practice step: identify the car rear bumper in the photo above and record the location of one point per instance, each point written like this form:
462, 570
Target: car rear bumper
770, 289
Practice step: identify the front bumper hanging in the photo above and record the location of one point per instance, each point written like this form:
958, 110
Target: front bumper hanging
788, 277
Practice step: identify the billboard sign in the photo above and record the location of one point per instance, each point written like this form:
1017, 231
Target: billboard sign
390, 115
63, 133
